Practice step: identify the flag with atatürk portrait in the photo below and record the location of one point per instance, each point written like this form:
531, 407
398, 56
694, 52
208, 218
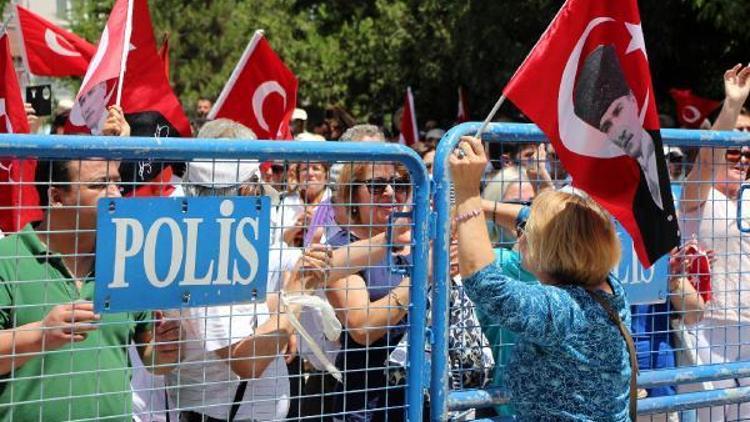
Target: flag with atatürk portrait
587, 85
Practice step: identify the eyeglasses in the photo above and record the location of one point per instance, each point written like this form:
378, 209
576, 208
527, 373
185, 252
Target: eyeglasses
377, 185
734, 155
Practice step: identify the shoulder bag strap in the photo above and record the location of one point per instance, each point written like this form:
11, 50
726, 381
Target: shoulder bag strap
238, 395
625, 332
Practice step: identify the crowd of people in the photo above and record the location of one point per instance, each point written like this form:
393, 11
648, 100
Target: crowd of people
534, 305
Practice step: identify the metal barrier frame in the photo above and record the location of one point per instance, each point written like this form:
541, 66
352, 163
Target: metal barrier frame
175, 149
441, 400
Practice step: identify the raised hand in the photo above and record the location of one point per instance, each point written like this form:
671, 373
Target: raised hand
467, 165
116, 125
737, 84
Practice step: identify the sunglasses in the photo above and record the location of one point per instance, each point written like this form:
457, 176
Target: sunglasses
734, 155
377, 186
277, 169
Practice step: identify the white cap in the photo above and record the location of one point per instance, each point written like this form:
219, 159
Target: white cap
299, 114
436, 133
220, 173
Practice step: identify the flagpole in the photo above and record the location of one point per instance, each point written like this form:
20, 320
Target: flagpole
27, 76
236, 73
490, 116
125, 51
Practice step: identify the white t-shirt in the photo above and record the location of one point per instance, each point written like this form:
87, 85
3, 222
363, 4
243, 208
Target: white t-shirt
714, 224
148, 392
205, 382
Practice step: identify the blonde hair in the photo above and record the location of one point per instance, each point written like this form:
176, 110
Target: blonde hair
571, 238
352, 174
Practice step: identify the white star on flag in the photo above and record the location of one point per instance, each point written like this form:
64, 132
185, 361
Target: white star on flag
636, 39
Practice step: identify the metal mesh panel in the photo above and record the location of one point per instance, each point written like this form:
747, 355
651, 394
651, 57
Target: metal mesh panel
693, 331
63, 362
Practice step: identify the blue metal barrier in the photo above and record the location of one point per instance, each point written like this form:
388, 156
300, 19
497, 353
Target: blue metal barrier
169, 149
443, 400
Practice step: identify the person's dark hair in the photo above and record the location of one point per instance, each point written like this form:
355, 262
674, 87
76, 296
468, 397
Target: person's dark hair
51, 173
58, 122
600, 82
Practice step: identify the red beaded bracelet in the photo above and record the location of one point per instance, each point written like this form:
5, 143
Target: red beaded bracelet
468, 215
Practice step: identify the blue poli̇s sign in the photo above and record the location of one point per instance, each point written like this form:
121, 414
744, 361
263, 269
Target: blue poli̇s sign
643, 286
167, 253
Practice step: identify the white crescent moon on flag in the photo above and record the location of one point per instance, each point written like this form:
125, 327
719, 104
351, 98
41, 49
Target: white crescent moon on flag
53, 42
578, 136
264, 90
691, 114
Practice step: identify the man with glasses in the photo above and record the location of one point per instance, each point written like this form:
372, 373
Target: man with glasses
709, 213
58, 359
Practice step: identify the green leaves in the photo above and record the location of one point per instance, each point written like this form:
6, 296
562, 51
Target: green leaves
361, 55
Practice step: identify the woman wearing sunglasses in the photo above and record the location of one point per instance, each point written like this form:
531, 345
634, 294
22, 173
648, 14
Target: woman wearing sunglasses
371, 304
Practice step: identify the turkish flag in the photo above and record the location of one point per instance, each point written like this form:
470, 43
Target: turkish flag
261, 92
51, 50
164, 54
587, 85
151, 107
463, 106
692, 110
19, 200
409, 131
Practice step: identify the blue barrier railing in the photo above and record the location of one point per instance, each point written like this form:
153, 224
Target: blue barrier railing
170, 149
441, 399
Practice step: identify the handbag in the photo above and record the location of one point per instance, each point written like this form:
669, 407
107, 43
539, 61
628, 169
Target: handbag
471, 364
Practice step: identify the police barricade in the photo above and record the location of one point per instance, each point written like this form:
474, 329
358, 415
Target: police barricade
690, 325
214, 297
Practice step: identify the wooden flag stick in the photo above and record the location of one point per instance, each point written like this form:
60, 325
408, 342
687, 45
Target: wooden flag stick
491, 116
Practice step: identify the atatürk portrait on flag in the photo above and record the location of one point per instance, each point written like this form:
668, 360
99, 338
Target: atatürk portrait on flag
603, 99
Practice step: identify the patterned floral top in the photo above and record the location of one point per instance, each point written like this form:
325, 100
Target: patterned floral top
570, 361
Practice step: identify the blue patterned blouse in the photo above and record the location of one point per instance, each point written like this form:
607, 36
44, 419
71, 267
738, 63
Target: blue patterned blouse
570, 361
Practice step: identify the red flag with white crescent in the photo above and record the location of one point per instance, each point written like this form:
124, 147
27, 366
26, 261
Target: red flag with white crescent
164, 54
261, 92
463, 106
409, 130
50, 50
151, 107
19, 200
98, 88
587, 85
692, 110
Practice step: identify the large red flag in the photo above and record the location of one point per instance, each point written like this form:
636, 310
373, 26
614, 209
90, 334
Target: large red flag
587, 85
463, 106
692, 110
18, 197
261, 92
150, 106
409, 130
50, 50
164, 54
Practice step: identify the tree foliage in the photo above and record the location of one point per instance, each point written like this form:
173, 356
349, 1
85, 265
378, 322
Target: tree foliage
361, 55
